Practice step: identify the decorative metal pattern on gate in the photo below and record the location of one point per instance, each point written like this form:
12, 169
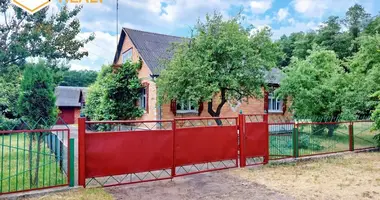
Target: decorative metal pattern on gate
205, 144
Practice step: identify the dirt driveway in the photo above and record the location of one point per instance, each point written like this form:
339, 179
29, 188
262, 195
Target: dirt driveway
213, 185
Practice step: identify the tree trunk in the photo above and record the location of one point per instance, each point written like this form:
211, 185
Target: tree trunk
30, 159
216, 113
39, 136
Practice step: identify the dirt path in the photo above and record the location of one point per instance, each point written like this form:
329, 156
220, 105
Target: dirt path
214, 185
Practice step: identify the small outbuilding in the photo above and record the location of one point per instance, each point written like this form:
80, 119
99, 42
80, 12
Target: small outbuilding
70, 101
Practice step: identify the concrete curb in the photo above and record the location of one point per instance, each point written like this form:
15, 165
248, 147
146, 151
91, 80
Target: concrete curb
37, 193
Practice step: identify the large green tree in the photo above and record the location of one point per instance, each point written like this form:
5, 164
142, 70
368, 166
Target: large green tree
39, 35
222, 59
114, 94
314, 84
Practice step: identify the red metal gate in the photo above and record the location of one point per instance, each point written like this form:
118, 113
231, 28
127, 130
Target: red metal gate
254, 140
125, 152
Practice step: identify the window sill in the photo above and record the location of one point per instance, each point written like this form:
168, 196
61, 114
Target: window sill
275, 111
187, 112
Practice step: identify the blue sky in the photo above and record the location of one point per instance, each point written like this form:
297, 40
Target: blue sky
175, 17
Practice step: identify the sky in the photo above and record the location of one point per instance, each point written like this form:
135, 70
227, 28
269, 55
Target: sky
176, 17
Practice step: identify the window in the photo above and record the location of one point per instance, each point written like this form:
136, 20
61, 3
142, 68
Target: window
274, 104
143, 101
186, 107
127, 55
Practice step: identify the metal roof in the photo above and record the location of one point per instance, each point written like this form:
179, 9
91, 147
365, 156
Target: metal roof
69, 96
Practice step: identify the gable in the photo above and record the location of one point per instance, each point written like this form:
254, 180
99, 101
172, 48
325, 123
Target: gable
152, 47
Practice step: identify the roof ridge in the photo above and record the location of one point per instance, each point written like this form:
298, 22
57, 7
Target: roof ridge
153, 33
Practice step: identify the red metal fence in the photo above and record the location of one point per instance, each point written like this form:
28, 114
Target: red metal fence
125, 152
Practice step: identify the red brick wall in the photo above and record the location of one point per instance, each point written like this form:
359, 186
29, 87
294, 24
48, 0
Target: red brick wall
76, 115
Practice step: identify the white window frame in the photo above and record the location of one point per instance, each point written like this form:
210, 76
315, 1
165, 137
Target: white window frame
143, 99
184, 110
128, 53
274, 104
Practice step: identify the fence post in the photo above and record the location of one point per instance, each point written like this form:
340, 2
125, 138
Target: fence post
266, 157
351, 135
242, 140
81, 151
173, 165
72, 162
295, 141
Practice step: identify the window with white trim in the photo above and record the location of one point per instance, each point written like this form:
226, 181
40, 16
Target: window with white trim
186, 107
143, 99
274, 104
127, 55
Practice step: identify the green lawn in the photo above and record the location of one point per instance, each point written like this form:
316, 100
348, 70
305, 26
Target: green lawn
316, 141
15, 166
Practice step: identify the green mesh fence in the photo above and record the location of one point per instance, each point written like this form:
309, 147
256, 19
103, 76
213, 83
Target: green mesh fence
280, 140
33, 160
364, 135
319, 138
306, 138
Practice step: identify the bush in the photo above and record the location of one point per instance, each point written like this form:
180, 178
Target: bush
37, 100
7, 124
114, 94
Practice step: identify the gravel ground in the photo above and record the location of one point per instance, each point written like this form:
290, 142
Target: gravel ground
213, 185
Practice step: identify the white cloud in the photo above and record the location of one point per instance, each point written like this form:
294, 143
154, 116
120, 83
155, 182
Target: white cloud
322, 8
295, 27
282, 14
291, 20
260, 6
311, 8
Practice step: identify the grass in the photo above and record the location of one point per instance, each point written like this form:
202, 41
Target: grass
353, 176
15, 169
311, 143
93, 194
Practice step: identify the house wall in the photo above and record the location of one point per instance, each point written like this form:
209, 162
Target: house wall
252, 106
144, 75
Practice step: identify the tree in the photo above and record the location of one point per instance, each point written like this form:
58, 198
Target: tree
114, 94
82, 78
331, 38
36, 104
23, 35
373, 27
303, 44
221, 62
356, 20
314, 84
364, 76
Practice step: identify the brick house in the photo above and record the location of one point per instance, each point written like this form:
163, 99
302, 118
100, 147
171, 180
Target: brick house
70, 101
150, 48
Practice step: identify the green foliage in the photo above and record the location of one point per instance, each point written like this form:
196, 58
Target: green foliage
37, 100
376, 118
114, 94
9, 87
314, 84
222, 58
82, 78
39, 35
